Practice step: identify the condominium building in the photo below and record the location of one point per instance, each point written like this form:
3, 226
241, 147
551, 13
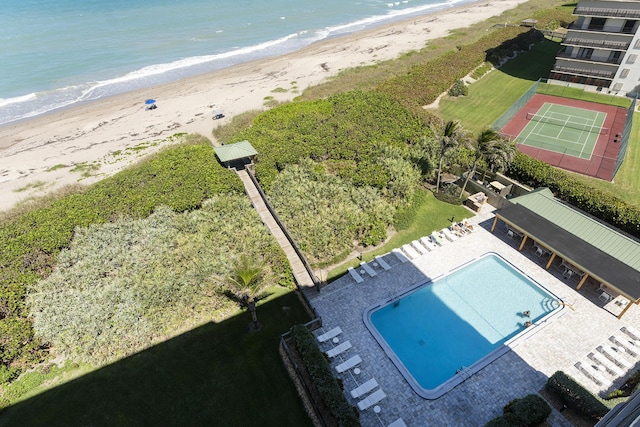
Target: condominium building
602, 46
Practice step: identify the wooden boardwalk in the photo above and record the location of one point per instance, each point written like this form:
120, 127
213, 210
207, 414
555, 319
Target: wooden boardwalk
304, 280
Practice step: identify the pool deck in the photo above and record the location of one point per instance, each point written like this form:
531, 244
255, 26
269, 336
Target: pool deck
557, 345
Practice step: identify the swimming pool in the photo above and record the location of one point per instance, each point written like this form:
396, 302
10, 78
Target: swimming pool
440, 332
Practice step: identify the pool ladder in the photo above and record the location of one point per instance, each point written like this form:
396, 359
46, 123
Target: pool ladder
464, 372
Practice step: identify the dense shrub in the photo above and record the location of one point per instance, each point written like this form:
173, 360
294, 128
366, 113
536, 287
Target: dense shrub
423, 83
459, 89
326, 215
350, 132
181, 177
602, 205
121, 286
573, 395
528, 411
320, 372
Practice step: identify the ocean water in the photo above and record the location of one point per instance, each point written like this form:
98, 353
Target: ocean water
55, 53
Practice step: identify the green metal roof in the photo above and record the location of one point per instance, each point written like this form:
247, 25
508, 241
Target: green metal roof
585, 227
235, 151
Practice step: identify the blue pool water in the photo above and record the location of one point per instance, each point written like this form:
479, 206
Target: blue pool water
461, 321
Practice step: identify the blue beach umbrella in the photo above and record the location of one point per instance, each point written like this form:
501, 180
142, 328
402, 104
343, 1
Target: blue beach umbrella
150, 101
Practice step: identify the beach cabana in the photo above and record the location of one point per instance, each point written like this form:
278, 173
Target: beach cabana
588, 247
236, 154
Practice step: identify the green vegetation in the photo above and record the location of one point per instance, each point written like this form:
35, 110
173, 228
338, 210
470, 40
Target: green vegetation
326, 214
459, 88
529, 411
574, 396
326, 384
34, 236
56, 167
217, 371
31, 186
121, 286
485, 104
423, 83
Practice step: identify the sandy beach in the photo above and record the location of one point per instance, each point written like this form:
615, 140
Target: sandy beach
47, 152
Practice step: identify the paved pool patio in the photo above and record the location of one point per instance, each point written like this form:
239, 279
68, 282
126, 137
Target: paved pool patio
557, 344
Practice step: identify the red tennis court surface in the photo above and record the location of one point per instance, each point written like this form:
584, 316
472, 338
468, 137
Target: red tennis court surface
603, 160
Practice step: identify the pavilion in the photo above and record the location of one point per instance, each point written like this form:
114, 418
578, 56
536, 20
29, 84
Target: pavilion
236, 154
588, 247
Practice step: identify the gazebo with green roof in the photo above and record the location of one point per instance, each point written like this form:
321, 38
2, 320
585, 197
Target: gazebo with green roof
585, 244
236, 153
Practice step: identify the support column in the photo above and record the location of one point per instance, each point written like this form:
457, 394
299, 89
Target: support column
495, 221
524, 239
584, 279
551, 258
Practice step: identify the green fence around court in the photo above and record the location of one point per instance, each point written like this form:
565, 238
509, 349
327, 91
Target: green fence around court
626, 135
515, 107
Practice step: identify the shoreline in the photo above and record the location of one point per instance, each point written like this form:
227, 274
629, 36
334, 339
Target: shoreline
98, 133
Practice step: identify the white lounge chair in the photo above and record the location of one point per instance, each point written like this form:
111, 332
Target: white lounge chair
330, 334
626, 344
466, 225
370, 271
364, 388
398, 253
615, 355
382, 263
411, 253
608, 364
339, 349
355, 275
398, 423
419, 247
632, 332
371, 400
427, 243
448, 234
591, 372
349, 363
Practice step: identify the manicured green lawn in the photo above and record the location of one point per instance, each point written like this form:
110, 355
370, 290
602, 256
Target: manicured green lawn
217, 374
494, 93
430, 215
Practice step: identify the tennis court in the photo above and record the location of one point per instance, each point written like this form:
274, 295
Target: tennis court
563, 129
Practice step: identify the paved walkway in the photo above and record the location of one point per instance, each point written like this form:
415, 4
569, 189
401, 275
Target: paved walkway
299, 272
556, 345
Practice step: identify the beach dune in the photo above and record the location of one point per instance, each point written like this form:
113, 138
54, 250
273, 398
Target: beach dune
47, 152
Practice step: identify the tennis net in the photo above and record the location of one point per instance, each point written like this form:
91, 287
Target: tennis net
567, 122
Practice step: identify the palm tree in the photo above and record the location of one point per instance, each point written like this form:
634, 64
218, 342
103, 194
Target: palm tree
449, 139
246, 286
493, 149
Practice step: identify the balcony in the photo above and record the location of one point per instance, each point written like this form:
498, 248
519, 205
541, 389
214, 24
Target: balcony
601, 44
612, 61
601, 29
609, 13
585, 72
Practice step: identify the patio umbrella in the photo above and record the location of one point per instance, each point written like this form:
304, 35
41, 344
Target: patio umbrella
150, 101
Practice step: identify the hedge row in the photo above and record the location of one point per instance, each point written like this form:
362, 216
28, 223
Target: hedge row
423, 83
326, 384
602, 205
573, 395
529, 411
